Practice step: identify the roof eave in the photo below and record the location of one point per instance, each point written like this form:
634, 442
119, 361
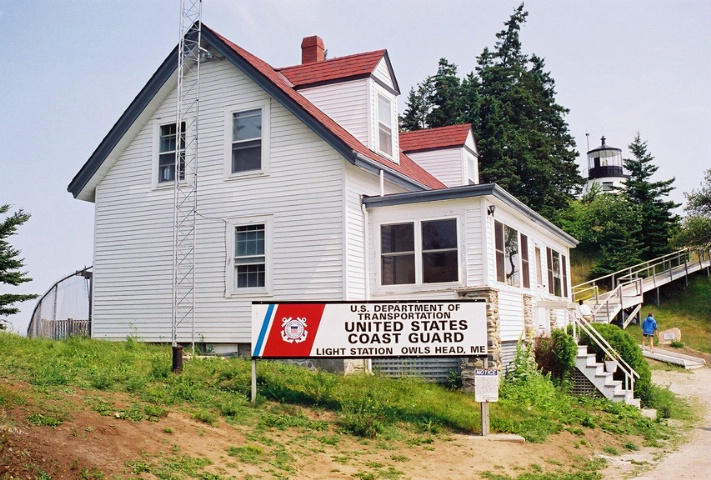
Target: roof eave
468, 191
397, 178
124, 123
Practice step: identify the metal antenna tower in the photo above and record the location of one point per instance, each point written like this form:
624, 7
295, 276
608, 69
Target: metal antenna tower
186, 163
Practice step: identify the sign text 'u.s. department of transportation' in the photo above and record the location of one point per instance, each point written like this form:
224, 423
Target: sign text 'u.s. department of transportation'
368, 329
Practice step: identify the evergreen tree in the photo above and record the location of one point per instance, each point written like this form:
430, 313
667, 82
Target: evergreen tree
419, 105
657, 220
10, 264
446, 97
696, 227
608, 229
524, 140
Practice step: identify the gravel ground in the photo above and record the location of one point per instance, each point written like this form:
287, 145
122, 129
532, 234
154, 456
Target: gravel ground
692, 459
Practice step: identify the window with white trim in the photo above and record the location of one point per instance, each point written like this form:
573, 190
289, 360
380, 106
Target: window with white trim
250, 256
557, 273
247, 139
167, 136
421, 252
525, 268
508, 258
385, 126
539, 267
249, 263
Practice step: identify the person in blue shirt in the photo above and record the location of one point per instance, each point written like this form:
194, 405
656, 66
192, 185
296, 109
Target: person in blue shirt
649, 330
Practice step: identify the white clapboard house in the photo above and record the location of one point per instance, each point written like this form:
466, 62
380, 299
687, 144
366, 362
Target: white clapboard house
308, 192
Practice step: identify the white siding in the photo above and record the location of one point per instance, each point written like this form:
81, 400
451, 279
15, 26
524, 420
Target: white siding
476, 232
447, 164
133, 254
409, 213
511, 298
510, 314
346, 103
383, 74
476, 244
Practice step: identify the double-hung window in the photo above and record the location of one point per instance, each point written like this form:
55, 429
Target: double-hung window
246, 147
420, 252
398, 253
167, 144
439, 251
247, 140
385, 126
250, 256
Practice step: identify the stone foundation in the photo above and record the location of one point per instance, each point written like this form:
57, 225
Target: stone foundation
493, 358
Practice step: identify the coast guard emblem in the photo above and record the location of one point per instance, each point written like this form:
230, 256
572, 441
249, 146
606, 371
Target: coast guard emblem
293, 331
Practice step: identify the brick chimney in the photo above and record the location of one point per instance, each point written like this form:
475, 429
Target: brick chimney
312, 50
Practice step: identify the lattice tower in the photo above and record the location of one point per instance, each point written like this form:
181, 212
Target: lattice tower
186, 168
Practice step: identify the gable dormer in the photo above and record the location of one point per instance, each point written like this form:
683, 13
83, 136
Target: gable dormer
359, 92
448, 153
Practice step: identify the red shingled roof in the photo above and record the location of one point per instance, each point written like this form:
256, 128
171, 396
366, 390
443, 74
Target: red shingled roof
407, 167
434, 138
340, 68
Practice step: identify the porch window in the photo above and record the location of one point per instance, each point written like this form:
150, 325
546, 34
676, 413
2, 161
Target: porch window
539, 267
397, 243
555, 284
525, 268
508, 269
439, 251
416, 253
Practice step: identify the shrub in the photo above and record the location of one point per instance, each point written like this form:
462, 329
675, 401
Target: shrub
556, 355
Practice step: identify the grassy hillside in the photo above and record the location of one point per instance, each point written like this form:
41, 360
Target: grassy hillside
685, 307
60, 390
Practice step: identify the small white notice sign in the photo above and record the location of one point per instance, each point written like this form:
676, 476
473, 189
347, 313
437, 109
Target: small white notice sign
486, 385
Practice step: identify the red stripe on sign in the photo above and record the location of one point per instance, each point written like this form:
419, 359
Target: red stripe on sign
293, 330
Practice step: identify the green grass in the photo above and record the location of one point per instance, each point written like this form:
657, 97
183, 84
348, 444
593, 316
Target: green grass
407, 410
686, 308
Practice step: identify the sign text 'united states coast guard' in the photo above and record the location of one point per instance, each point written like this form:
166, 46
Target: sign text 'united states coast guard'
365, 329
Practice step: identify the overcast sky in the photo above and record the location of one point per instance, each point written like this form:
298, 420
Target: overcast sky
71, 67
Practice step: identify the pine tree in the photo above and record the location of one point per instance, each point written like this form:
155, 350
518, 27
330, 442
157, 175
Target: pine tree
658, 222
419, 105
608, 229
696, 227
524, 140
446, 97
10, 264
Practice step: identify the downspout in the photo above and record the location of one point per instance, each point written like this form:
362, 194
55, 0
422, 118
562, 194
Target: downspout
382, 182
366, 255
366, 249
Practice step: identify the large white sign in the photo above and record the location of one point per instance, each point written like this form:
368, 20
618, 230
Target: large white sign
368, 329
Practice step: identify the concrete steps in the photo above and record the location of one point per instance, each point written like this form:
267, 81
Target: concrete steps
603, 380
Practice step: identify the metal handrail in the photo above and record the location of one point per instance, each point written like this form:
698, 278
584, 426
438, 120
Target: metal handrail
615, 277
670, 263
594, 335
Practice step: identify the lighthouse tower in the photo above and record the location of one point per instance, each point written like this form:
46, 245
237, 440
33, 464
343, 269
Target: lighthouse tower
605, 168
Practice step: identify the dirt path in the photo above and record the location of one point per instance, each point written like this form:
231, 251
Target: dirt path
690, 460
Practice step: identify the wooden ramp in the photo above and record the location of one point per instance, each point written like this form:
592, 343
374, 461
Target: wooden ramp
632, 283
668, 356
